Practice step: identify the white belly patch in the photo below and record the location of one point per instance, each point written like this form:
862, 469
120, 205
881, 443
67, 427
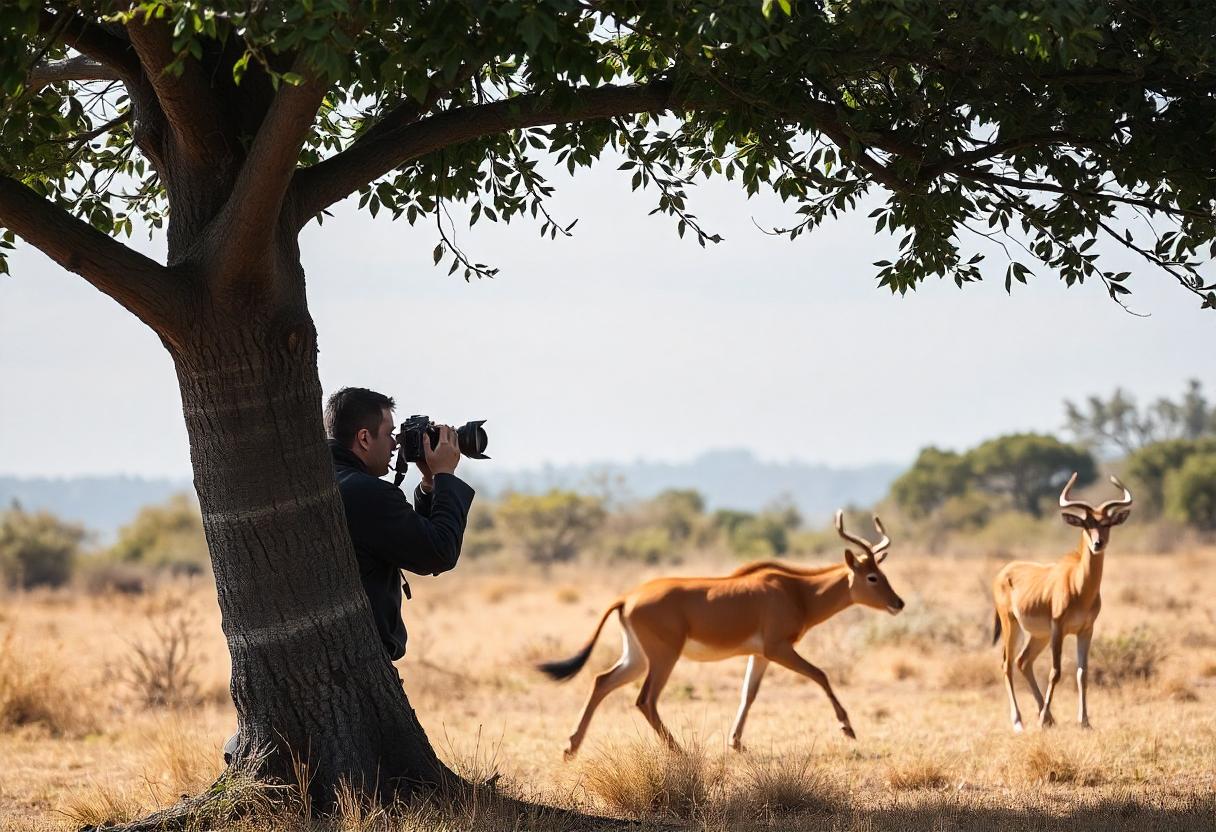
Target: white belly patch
699, 651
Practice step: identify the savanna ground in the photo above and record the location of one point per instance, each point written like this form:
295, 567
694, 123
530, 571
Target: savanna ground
87, 733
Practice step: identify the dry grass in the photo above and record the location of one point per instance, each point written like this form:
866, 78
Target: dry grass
642, 779
970, 671
934, 747
1047, 760
922, 772
36, 691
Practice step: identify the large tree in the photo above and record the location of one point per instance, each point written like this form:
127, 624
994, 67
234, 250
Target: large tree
1046, 124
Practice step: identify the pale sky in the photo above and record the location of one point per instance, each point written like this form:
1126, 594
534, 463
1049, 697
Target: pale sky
622, 343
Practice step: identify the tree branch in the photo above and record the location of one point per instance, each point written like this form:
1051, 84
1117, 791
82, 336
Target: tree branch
79, 68
92, 41
139, 284
185, 98
339, 176
250, 217
1049, 187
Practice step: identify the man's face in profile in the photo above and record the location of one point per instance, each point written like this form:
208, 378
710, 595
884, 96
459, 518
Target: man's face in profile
381, 446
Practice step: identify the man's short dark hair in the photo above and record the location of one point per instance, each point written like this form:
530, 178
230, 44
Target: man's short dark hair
352, 409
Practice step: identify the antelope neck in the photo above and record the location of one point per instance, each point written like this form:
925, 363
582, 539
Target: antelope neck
826, 594
1088, 574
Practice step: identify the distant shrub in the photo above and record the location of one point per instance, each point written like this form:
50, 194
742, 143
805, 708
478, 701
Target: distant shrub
646, 545
167, 536
1135, 655
1190, 492
1150, 466
552, 527
37, 548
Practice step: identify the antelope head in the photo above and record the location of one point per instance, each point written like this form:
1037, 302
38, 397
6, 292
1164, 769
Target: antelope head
1096, 521
867, 583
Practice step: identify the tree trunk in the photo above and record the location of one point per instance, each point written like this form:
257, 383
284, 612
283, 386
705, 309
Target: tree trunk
310, 679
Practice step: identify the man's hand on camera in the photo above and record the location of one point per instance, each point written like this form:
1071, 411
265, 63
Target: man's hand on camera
442, 459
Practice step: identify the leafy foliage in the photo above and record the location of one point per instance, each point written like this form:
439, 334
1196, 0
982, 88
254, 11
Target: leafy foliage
37, 548
1150, 467
1029, 467
1190, 492
1117, 424
934, 477
550, 528
166, 536
1042, 126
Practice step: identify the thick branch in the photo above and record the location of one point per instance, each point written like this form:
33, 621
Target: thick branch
185, 97
339, 176
92, 41
79, 68
141, 285
250, 217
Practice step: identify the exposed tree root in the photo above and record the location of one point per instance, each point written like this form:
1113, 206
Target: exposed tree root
238, 797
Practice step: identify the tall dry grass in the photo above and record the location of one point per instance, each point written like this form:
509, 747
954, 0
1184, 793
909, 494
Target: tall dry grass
37, 690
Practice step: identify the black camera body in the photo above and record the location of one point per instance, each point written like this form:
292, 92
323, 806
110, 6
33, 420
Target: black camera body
470, 437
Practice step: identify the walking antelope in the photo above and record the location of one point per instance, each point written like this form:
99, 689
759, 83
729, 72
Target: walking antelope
760, 610
1050, 601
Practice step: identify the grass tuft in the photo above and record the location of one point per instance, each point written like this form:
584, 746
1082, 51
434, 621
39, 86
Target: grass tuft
919, 772
641, 779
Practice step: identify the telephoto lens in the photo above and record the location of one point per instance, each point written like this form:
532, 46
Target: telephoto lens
472, 439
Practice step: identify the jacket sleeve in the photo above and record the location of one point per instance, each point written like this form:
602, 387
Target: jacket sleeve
393, 532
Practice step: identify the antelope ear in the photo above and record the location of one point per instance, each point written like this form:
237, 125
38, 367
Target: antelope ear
1118, 517
881, 556
851, 559
1073, 520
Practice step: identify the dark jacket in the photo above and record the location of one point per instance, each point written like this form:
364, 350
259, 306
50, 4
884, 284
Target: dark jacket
389, 535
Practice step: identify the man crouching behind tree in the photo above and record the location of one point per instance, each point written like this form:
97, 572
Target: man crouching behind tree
388, 534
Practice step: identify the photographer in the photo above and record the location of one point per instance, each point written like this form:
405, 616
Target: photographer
388, 534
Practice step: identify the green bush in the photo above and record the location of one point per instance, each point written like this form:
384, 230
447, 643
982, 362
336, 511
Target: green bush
167, 536
1190, 492
1149, 467
1028, 468
935, 477
37, 548
551, 527
649, 545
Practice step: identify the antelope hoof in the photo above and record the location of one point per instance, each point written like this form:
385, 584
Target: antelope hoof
1046, 720
569, 753
1085, 723
1017, 727
736, 745
847, 730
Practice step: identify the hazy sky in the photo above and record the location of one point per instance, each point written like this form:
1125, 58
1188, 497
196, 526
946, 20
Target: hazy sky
624, 342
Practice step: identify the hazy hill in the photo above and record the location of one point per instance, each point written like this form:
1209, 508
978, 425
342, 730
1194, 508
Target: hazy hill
728, 478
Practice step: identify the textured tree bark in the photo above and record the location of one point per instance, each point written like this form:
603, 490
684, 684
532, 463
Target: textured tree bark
310, 680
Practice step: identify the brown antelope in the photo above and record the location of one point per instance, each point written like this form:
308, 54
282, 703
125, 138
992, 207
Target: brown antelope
1050, 601
760, 610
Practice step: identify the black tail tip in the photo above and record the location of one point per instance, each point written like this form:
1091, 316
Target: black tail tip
560, 671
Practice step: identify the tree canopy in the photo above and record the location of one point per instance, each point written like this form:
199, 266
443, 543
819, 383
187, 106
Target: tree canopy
1044, 125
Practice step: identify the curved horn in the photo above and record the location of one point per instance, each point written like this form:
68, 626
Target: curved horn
1066, 501
1119, 502
852, 538
882, 544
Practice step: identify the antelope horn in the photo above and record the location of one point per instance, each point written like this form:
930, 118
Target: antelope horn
1066, 501
1119, 502
849, 537
882, 544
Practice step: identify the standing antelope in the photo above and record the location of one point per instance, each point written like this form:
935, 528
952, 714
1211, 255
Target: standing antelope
1050, 601
760, 610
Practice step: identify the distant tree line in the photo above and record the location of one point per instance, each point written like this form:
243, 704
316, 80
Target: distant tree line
1166, 452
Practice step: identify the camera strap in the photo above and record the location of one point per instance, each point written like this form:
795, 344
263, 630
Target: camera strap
405, 586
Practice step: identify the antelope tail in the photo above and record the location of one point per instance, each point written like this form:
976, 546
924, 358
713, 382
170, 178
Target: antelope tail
996, 627
566, 668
